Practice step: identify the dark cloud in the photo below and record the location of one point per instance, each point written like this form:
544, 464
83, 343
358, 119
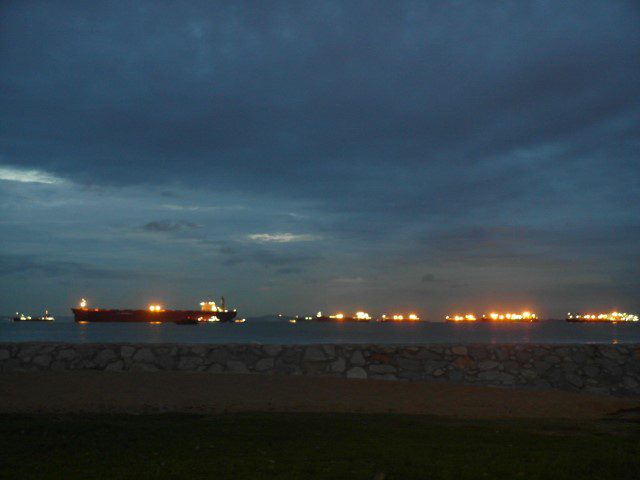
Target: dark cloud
346, 95
537, 245
167, 226
28, 265
283, 260
289, 270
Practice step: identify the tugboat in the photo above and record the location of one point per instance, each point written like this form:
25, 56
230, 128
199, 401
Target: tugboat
154, 314
21, 317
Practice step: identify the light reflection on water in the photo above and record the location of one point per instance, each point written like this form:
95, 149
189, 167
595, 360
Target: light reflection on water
282, 332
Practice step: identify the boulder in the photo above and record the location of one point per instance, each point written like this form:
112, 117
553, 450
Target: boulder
127, 351
382, 369
459, 350
314, 354
338, 365
42, 360
357, 358
144, 355
105, 356
236, 366
116, 366
265, 364
409, 364
272, 350
356, 372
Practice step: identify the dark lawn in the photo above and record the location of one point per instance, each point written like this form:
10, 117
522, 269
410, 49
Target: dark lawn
326, 446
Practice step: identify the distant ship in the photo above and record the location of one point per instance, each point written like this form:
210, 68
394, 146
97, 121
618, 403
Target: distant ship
155, 314
613, 317
340, 317
21, 317
358, 317
412, 317
523, 317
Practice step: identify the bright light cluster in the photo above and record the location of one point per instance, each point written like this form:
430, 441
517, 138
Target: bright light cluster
604, 317
397, 318
155, 308
209, 307
512, 316
360, 316
494, 317
459, 318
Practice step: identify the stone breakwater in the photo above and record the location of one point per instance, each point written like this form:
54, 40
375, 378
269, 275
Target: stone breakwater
606, 369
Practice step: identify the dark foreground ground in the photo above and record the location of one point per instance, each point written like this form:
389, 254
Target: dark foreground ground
205, 393
314, 446
174, 425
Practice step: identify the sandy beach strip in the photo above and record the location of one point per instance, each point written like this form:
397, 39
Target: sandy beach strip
153, 392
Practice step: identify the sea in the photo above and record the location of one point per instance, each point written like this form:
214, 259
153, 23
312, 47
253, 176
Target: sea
280, 331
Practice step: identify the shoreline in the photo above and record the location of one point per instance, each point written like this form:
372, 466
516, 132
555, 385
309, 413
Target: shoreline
596, 369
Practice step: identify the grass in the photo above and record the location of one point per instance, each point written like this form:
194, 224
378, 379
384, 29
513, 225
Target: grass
310, 446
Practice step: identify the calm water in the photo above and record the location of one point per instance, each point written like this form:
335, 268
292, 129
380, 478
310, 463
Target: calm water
281, 332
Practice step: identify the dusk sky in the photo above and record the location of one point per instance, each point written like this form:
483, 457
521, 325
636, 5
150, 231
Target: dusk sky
295, 157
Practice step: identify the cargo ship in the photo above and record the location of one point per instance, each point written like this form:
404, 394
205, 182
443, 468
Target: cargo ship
494, 317
357, 317
21, 317
613, 317
155, 314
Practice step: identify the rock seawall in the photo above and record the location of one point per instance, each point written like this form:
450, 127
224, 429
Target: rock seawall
606, 369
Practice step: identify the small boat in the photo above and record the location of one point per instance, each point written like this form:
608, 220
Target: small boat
21, 317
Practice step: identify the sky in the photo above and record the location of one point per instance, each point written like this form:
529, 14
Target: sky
436, 157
